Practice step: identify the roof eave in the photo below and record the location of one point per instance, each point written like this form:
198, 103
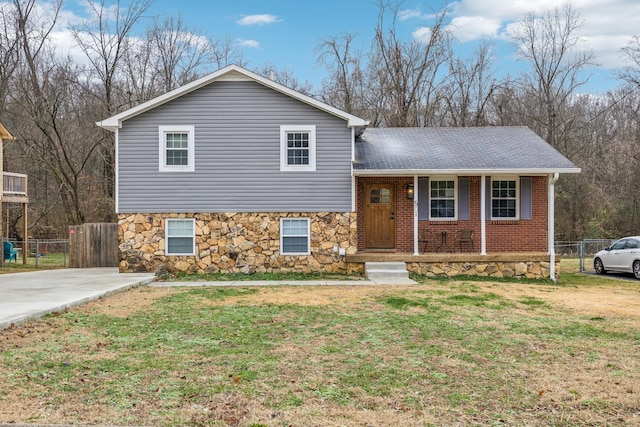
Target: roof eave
4, 133
115, 122
470, 172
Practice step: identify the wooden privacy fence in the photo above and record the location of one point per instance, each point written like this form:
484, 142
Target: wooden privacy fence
93, 245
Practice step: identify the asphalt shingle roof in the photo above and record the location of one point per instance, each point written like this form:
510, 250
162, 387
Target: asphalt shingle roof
466, 149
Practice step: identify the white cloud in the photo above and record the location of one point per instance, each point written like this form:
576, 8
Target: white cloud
466, 28
608, 25
422, 34
248, 43
258, 20
408, 14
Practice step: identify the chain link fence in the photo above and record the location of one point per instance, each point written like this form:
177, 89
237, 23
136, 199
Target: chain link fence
583, 249
50, 252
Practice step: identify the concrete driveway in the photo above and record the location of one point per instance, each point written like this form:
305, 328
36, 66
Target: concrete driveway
26, 296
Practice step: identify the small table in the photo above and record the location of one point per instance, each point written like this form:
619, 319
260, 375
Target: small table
443, 242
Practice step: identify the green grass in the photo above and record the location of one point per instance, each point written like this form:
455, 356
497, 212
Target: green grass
48, 262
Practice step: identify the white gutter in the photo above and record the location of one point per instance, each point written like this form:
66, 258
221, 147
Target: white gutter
550, 225
415, 216
483, 210
465, 172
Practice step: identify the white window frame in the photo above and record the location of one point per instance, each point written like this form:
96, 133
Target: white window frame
168, 221
287, 129
162, 139
308, 236
455, 197
517, 198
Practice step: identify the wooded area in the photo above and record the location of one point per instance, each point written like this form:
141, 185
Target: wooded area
51, 103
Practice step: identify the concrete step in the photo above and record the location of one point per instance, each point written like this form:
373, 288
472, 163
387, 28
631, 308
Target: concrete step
387, 273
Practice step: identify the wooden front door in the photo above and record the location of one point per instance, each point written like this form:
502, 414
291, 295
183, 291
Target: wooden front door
380, 222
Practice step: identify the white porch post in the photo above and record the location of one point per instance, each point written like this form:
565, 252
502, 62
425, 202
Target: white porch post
550, 224
483, 226
415, 215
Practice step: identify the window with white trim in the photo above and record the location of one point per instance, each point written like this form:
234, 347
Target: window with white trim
298, 148
504, 198
177, 148
180, 236
443, 201
295, 236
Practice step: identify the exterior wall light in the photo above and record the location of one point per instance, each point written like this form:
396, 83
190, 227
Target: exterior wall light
410, 191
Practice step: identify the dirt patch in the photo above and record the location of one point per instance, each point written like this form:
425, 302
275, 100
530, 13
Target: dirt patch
310, 295
125, 304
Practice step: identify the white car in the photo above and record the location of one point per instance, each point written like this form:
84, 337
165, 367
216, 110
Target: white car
623, 256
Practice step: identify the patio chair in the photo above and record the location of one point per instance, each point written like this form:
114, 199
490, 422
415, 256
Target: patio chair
9, 252
425, 237
464, 237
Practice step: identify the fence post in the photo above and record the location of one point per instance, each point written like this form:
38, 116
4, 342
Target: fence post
37, 251
581, 249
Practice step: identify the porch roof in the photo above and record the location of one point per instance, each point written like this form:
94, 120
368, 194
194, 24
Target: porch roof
468, 150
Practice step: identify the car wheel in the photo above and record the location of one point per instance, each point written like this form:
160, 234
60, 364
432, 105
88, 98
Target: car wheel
599, 267
636, 269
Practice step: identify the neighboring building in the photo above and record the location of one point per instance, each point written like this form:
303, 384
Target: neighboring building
13, 190
236, 173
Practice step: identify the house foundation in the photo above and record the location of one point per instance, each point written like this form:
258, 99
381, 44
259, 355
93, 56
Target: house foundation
518, 265
236, 243
250, 243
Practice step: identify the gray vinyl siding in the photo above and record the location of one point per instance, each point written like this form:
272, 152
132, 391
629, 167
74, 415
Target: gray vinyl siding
237, 155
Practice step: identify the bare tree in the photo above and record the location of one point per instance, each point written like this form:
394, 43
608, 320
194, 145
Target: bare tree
9, 49
469, 89
631, 72
345, 86
104, 39
285, 77
182, 54
170, 55
47, 106
405, 73
551, 45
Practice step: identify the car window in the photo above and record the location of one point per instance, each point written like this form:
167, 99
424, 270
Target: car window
619, 244
631, 244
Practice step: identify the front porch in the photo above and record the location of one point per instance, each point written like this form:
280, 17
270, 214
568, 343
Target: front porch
531, 265
14, 190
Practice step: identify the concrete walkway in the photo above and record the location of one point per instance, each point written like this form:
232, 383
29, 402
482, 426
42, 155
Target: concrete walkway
26, 296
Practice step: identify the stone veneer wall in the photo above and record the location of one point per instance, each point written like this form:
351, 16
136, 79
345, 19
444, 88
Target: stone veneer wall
498, 269
235, 243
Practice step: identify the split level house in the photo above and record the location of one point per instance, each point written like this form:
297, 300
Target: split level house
236, 173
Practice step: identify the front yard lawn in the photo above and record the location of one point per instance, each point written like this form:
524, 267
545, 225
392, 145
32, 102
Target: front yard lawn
452, 352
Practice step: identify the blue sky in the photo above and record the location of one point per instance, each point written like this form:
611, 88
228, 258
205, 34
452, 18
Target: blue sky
287, 32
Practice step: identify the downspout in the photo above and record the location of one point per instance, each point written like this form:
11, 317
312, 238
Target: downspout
550, 225
353, 178
415, 215
483, 210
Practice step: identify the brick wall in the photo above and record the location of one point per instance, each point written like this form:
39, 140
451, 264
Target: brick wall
502, 236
